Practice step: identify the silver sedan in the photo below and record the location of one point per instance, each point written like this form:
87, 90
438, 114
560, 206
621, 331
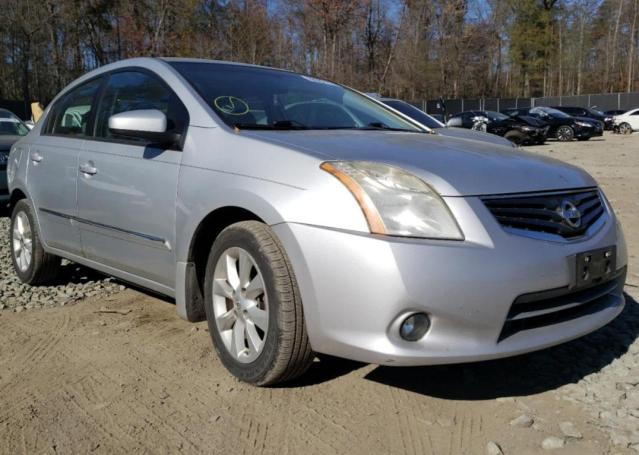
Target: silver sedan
298, 216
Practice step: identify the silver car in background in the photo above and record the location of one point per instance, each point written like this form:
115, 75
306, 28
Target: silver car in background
298, 217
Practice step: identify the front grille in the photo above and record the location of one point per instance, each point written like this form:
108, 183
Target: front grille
549, 213
540, 309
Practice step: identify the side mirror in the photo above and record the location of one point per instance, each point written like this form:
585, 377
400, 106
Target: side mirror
29, 124
146, 124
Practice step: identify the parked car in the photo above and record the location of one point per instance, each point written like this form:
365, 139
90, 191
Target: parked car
588, 112
628, 121
299, 216
563, 127
615, 112
519, 130
11, 129
437, 126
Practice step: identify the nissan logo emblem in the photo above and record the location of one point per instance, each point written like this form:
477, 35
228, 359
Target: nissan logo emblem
570, 213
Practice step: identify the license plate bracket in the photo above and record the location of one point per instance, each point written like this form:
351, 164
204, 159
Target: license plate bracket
595, 266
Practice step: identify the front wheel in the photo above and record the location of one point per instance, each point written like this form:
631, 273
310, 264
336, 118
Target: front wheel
625, 128
31, 263
253, 306
565, 134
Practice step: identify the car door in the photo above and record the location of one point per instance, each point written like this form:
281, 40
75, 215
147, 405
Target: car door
127, 188
52, 168
633, 119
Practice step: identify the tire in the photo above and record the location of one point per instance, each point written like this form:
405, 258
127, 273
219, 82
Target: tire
565, 133
41, 267
625, 128
234, 304
516, 137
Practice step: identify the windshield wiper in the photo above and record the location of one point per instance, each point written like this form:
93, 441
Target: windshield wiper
278, 125
385, 127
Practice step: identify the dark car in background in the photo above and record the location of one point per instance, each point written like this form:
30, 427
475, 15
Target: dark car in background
11, 129
614, 112
438, 127
562, 126
521, 130
588, 112
413, 112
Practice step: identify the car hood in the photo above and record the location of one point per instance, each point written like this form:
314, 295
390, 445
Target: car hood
7, 141
454, 167
472, 135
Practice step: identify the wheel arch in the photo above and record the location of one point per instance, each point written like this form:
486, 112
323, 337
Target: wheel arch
190, 279
16, 195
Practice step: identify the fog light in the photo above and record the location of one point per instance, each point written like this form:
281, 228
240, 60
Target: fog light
414, 327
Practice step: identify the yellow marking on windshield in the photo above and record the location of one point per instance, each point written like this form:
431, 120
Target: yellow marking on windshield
231, 105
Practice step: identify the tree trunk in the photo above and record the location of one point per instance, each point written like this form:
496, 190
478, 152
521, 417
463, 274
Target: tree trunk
614, 44
633, 45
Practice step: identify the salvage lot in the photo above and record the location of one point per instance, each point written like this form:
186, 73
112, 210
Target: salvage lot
89, 365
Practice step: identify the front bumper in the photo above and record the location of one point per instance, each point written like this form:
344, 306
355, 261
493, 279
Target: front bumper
588, 132
356, 288
536, 135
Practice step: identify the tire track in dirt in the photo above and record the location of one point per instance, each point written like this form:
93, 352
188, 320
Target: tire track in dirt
147, 382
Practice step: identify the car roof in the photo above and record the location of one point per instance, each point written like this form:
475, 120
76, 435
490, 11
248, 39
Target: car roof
219, 62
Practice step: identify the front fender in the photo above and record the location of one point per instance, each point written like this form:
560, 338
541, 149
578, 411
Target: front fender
201, 191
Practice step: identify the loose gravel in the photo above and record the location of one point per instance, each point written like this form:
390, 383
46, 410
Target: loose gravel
74, 283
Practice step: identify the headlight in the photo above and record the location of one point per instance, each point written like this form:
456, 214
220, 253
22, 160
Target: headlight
584, 124
394, 201
528, 128
608, 119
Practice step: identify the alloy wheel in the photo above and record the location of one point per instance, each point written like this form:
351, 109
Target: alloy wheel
565, 133
22, 241
240, 304
625, 128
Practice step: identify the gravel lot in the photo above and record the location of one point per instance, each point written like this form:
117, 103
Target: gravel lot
75, 283
83, 378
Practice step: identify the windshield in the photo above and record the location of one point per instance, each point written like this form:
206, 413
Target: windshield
414, 113
10, 127
550, 111
496, 116
263, 98
596, 112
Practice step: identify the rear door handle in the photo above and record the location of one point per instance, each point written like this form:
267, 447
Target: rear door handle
36, 157
88, 169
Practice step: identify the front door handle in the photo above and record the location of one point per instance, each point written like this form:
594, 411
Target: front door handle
36, 157
88, 169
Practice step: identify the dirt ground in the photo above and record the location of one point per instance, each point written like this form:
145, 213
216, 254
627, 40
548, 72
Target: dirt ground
76, 380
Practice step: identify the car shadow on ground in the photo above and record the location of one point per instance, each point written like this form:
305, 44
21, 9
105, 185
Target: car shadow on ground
522, 375
72, 273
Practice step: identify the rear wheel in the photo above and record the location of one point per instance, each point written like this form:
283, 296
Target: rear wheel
253, 306
565, 133
31, 263
625, 128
